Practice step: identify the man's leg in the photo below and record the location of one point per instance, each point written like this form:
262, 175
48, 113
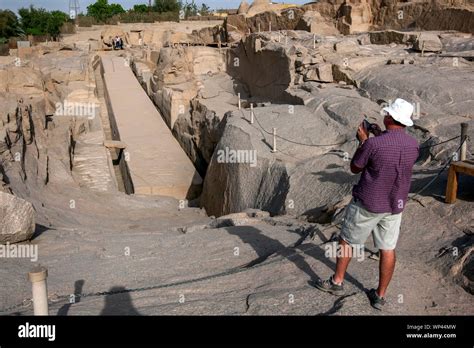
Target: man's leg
342, 261
387, 266
386, 236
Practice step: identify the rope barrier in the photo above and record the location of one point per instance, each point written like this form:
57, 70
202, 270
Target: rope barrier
439, 172
337, 144
442, 142
296, 142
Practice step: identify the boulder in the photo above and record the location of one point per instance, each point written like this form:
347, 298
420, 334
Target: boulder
17, 219
209, 35
354, 17
386, 37
259, 6
321, 73
314, 22
346, 46
428, 42
109, 33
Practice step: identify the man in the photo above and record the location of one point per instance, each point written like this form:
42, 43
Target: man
386, 162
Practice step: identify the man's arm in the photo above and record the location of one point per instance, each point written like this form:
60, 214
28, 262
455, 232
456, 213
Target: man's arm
361, 156
355, 169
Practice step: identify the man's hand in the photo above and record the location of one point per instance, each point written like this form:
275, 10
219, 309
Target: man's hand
362, 133
376, 130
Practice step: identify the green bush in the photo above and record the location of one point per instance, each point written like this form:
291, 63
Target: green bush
102, 11
149, 17
167, 6
9, 24
38, 21
141, 8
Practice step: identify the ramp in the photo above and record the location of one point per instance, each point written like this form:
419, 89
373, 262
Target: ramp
156, 162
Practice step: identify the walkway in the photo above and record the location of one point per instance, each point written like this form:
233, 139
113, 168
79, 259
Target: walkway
157, 163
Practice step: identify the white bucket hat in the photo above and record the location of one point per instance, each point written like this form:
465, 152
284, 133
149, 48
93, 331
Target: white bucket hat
401, 111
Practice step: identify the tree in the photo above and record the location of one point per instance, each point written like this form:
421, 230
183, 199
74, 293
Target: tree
55, 22
141, 8
190, 9
205, 10
167, 6
38, 21
9, 24
115, 9
99, 10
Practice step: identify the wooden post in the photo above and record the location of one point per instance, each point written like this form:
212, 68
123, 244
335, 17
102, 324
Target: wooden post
240, 103
452, 185
463, 153
270, 26
274, 140
37, 278
259, 27
314, 41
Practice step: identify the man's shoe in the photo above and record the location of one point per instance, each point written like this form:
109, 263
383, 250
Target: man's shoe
329, 286
375, 300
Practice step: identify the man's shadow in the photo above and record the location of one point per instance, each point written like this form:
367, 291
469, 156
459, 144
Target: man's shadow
78, 285
120, 303
265, 246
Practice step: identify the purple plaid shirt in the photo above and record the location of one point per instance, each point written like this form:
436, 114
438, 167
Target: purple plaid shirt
387, 161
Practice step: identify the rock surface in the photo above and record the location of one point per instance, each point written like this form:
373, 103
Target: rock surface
17, 219
428, 43
275, 214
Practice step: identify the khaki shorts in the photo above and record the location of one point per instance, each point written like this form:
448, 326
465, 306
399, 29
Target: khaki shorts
359, 223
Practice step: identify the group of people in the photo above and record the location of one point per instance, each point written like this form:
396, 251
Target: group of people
117, 43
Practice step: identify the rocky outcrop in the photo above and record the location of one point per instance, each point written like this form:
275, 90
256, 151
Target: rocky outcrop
237, 26
109, 33
210, 35
387, 37
299, 179
174, 83
354, 16
243, 7
314, 22
255, 61
428, 43
460, 19
17, 219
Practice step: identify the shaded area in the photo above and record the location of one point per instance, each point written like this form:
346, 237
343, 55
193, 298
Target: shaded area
119, 303
39, 230
78, 285
265, 247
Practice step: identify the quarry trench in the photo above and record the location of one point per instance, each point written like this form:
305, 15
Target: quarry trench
265, 212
